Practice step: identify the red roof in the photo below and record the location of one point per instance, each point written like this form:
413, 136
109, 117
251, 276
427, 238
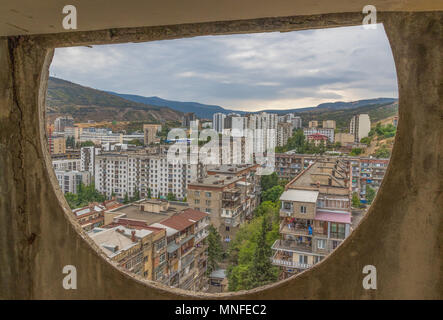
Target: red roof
332, 216
193, 214
184, 219
177, 222
317, 136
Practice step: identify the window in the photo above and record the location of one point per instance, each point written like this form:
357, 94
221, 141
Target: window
317, 259
197, 193
321, 244
162, 258
207, 210
227, 228
196, 201
208, 194
208, 202
287, 205
303, 259
302, 209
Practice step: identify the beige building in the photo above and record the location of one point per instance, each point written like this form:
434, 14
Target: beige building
58, 145
284, 132
329, 124
313, 124
229, 194
315, 216
344, 138
150, 131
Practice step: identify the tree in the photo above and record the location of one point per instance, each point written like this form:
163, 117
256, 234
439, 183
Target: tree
84, 196
136, 142
272, 194
356, 151
382, 152
126, 198
283, 182
244, 247
263, 272
87, 144
215, 249
370, 194
149, 195
355, 200
171, 197
269, 181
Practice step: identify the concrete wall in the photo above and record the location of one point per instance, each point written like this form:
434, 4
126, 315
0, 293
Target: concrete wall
401, 234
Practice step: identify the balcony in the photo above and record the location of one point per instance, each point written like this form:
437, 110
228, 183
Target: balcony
292, 246
290, 264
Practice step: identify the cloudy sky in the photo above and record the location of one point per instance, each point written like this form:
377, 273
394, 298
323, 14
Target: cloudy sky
245, 72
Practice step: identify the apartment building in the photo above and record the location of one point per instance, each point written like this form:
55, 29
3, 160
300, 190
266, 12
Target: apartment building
186, 249
57, 145
149, 174
264, 128
182, 260
296, 123
329, 132
100, 135
367, 172
288, 165
187, 119
150, 132
345, 139
229, 194
61, 123
360, 126
315, 216
329, 124
218, 122
70, 180
284, 132
137, 249
87, 159
67, 165
313, 124
90, 216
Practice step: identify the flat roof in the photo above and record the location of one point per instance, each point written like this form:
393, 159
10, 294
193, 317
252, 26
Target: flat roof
300, 195
133, 211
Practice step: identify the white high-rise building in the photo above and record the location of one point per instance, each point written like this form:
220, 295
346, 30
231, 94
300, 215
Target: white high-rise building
218, 122
122, 174
360, 126
67, 164
87, 157
70, 180
264, 128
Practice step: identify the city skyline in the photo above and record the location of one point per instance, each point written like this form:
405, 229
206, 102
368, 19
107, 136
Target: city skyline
279, 70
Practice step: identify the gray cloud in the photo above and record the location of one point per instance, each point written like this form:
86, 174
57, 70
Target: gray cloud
248, 71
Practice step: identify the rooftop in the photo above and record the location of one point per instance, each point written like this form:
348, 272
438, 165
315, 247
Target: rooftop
300, 195
133, 211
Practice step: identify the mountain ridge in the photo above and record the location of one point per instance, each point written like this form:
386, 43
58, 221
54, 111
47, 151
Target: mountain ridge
84, 103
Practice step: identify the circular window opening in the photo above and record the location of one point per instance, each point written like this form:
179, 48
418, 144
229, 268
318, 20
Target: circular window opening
267, 171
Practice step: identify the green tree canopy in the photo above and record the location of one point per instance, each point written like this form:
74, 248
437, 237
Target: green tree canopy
272, 194
215, 249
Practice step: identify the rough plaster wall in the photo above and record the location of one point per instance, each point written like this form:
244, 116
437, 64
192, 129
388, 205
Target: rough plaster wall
401, 235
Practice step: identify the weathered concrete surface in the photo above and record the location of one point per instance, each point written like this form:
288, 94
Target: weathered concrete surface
26, 17
401, 235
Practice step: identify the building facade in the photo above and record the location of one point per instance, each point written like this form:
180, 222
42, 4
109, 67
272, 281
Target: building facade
315, 216
360, 126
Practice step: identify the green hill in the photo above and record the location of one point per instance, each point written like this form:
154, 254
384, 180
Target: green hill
83, 103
